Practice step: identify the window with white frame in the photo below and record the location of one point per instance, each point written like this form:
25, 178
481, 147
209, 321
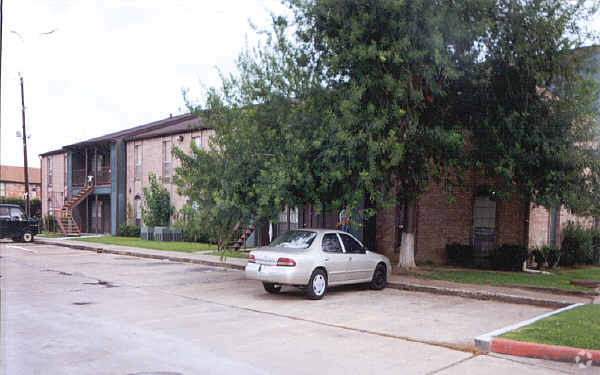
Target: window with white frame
197, 141
138, 211
138, 162
49, 165
167, 161
2, 189
50, 208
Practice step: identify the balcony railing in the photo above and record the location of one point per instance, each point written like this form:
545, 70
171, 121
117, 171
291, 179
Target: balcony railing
101, 177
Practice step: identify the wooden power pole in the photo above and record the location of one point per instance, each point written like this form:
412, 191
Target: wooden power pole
25, 151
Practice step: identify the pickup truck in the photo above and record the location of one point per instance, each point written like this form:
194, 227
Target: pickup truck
16, 225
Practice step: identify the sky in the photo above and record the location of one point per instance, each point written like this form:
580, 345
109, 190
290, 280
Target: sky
113, 64
92, 67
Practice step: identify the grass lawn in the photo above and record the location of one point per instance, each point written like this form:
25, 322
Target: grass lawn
578, 328
558, 279
187, 247
47, 234
229, 254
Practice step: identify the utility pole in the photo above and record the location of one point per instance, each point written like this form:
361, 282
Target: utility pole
25, 150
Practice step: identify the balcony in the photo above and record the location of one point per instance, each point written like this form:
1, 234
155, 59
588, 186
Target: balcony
101, 177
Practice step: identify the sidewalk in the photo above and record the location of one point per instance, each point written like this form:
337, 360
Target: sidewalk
402, 282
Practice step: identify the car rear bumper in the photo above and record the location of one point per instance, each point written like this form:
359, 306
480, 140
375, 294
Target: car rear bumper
275, 274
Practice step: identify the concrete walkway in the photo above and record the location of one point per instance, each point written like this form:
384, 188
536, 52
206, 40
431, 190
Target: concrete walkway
403, 282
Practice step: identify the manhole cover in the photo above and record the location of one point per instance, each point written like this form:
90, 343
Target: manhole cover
81, 303
156, 373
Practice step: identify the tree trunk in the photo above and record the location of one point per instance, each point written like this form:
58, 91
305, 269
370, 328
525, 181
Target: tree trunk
407, 251
407, 247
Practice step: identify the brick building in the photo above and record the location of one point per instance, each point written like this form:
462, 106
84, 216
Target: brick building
12, 182
92, 186
119, 165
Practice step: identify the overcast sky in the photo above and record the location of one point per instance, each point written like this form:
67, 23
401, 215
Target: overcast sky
112, 64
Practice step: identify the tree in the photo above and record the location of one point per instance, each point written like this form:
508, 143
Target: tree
157, 209
374, 100
202, 177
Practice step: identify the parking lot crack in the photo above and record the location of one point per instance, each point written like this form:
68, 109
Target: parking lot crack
452, 365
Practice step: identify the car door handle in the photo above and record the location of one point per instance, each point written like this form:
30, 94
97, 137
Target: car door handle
326, 259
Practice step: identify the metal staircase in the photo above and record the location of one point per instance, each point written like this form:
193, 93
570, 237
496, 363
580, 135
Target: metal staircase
243, 237
67, 222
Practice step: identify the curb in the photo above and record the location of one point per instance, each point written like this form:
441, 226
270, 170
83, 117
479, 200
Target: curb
566, 292
582, 357
144, 255
480, 295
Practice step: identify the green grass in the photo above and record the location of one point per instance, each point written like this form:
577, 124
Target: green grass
578, 328
187, 247
229, 254
558, 279
47, 234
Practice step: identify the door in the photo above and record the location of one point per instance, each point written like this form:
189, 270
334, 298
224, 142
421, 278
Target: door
359, 266
484, 225
336, 261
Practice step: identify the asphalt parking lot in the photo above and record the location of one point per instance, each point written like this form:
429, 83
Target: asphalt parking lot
67, 311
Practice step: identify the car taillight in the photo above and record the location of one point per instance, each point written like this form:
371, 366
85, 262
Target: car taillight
251, 258
286, 262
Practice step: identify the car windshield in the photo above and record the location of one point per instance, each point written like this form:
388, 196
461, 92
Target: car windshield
297, 239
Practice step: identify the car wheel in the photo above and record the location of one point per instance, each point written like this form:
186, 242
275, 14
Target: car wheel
272, 288
317, 285
27, 237
379, 278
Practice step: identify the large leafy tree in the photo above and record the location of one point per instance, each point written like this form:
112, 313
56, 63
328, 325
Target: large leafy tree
375, 99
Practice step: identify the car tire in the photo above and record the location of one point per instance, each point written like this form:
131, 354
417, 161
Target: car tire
27, 237
317, 285
379, 278
272, 288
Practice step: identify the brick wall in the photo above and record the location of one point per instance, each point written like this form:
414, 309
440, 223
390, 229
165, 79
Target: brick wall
17, 190
152, 162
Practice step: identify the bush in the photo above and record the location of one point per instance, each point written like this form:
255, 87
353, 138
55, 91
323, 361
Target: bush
546, 256
128, 230
596, 247
459, 255
50, 224
577, 245
508, 257
35, 205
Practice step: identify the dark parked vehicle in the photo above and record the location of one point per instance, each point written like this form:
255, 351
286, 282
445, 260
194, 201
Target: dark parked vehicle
16, 225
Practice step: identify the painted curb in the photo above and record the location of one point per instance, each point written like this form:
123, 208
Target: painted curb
144, 255
483, 342
583, 357
480, 295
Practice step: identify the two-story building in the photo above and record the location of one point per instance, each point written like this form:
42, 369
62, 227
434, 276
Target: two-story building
95, 185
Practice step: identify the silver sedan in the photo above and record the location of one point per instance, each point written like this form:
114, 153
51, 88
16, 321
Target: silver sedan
315, 259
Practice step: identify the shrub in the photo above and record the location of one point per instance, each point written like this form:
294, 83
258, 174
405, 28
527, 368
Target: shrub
35, 205
459, 255
508, 257
50, 224
128, 230
577, 245
596, 247
546, 256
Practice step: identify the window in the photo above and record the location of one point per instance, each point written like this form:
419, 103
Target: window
138, 162
296, 239
138, 211
65, 170
4, 212
50, 208
16, 213
49, 173
197, 141
331, 244
484, 225
167, 161
352, 246
2, 189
